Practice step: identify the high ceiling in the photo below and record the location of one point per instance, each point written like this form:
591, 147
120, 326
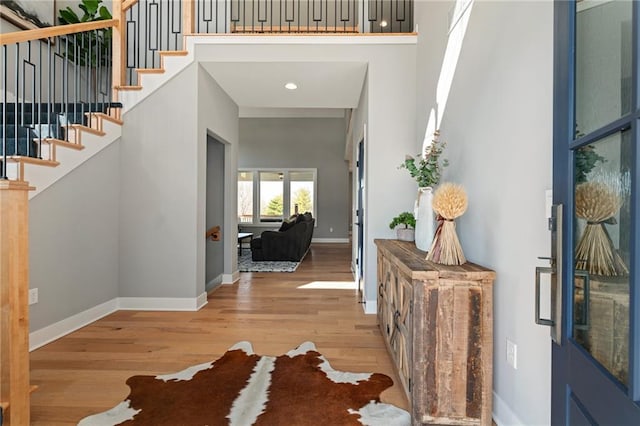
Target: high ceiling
322, 86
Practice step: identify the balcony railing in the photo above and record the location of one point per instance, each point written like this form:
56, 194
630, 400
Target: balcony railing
152, 26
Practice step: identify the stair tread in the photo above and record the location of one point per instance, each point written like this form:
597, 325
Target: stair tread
107, 117
150, 70
66, 144
128, 87
173, 52
32, 160
84, 128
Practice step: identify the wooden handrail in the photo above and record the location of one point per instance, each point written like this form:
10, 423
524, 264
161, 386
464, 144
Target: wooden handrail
41, 33
128, 4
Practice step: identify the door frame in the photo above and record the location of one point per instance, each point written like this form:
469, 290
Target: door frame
360, 196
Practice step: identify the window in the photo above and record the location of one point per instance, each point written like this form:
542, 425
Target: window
302, 186
271, 196
245, 197
267, 196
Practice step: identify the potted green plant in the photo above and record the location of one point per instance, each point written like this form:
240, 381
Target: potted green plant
404, 224
426, 169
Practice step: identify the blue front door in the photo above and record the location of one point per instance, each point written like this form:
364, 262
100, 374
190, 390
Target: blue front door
596, 352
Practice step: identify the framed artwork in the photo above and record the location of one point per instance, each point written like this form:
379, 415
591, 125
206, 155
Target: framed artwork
29, 14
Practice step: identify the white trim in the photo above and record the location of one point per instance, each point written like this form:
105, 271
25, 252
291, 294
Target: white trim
370, 306
201, 300
230, 278
59, 329
281, 112
502, 413
192, 40
213, 283
160, 303
330, 240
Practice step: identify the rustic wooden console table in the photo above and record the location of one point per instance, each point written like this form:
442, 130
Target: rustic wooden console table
437, 322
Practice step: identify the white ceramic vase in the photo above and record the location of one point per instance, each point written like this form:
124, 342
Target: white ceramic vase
425, 223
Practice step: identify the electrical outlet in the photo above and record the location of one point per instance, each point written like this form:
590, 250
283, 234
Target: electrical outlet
330, 229
33, 296
512, 354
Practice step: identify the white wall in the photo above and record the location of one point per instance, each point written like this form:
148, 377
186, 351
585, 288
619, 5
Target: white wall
73, 240
163, 191
498, 126
218, 117
303, 143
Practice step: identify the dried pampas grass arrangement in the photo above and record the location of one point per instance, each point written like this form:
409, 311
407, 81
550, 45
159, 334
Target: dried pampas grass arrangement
597, 203
449, 202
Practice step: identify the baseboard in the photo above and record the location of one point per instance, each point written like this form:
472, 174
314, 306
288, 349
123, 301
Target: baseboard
502, 413
213, 283
59, 329
201, 300
230, 278
370, 307
161, 303
330, 240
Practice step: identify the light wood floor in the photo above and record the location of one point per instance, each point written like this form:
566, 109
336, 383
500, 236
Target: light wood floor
85, 372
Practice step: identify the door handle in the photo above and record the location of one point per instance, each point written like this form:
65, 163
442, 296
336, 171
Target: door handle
555, 270
539, 272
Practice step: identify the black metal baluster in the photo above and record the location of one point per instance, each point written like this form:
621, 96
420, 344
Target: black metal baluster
109, 69
15, 129
5, 120
24, 103
99, 77
65, 73
76, 73
217, 15
50, 85
39, 103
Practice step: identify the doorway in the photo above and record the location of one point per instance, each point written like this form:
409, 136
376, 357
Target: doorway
215, 211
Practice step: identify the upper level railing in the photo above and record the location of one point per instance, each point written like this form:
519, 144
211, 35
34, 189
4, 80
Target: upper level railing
151, 26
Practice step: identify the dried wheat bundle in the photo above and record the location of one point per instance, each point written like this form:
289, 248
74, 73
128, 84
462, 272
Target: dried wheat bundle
449, 202
596, 202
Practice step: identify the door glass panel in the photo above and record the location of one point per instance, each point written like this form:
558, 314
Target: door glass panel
603, 63
602, 229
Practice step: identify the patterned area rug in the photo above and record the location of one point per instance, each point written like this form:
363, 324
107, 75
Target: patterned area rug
242, 388
245, 264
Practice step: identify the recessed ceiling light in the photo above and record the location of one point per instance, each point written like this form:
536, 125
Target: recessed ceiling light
383, 24
291, 86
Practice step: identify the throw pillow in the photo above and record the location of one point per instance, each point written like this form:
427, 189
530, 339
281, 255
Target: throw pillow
286, 225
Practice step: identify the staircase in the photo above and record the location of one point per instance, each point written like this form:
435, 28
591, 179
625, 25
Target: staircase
46, 141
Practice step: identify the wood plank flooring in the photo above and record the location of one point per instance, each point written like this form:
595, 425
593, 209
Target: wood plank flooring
85, 372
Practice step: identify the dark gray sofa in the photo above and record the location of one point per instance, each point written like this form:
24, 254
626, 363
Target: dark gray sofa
289, 243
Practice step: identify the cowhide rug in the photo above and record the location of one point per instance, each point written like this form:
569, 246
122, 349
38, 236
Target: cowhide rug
242, 388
